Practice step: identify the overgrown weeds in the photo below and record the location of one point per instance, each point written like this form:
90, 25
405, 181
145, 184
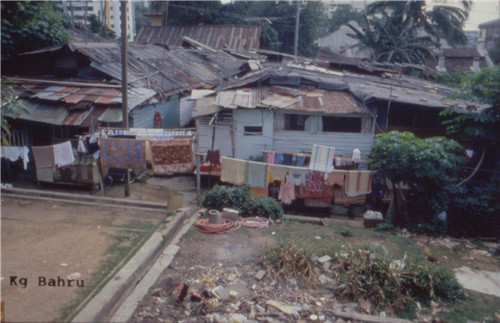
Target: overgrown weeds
290, 261
376, 276
369, 276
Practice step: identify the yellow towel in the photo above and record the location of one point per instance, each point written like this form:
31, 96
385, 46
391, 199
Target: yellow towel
358, 182
233, 170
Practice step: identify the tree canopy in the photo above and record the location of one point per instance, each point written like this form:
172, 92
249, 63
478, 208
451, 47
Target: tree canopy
402, 31
30, 25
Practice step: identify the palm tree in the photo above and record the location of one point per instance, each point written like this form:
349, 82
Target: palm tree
388, 43
413, 18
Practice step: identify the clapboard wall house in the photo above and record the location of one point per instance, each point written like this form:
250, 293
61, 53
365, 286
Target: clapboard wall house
74, 88
289, 107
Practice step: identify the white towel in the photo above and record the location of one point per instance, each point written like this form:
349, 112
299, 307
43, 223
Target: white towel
10, 152
63, 154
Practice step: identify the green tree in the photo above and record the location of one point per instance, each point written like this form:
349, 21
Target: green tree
427, 166
97, 27
30, 25
11, 107
392, 30
140, 20
412, 17
342, 16
387, 43
477, 125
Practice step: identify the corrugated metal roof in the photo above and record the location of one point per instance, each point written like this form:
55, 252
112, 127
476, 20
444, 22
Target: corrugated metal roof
111, 115
307, 100
74, 95
54, 114
240, 38
165, 71
49, 113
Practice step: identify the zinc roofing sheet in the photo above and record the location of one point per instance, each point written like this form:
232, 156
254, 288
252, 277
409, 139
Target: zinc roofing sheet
241, 38
307, 100
111, 115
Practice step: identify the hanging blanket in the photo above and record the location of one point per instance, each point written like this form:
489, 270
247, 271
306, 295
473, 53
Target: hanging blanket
233, 171
44, 156
256, 174
325, 195
172, 156
336, 177
315, 181
322, 158
358, 182
122, 153
279, 172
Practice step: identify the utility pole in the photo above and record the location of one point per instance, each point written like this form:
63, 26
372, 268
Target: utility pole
124, 82
297, 21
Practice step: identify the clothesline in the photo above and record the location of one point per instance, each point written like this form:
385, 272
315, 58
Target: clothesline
310, 183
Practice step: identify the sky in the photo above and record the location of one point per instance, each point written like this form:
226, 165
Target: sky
481, 11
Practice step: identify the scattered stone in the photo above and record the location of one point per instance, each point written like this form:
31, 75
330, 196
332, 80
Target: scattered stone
224, 292
260, 308
260, 274
285, 308
313, 317
326, 266
318, 304
321, 318
238, 318
324, 259
233, 294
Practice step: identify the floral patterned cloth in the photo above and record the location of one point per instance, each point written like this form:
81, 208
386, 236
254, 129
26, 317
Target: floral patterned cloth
172, 156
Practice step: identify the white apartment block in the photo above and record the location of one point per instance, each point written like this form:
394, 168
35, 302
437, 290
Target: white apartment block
108, 11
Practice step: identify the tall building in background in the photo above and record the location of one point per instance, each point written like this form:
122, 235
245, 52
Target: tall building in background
107, 11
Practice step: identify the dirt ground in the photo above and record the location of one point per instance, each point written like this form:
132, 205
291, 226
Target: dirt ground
43, 240
208, 262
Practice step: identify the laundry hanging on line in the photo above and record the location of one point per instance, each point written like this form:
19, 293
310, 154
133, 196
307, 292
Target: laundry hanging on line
13, 153
122, 153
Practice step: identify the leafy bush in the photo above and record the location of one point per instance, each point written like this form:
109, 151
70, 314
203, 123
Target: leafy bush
264, 206
427, 166
222, 196
238, 198
475, 210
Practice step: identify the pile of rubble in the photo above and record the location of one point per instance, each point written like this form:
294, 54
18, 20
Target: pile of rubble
242, 294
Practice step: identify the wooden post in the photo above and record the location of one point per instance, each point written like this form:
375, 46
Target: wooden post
124, 82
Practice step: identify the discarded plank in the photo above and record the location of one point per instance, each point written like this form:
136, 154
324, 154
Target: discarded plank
368, 318
285, 308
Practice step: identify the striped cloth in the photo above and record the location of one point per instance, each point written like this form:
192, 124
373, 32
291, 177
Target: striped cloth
358, 182
322, 158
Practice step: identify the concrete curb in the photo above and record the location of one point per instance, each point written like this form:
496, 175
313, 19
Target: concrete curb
101, 200
129, 306
102, 306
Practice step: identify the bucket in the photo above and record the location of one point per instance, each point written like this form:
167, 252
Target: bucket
213, 216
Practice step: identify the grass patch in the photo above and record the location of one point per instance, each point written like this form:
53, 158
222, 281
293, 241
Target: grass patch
125, 245
476, 307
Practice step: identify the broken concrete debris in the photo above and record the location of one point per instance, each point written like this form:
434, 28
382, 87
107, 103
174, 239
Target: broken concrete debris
260, 274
